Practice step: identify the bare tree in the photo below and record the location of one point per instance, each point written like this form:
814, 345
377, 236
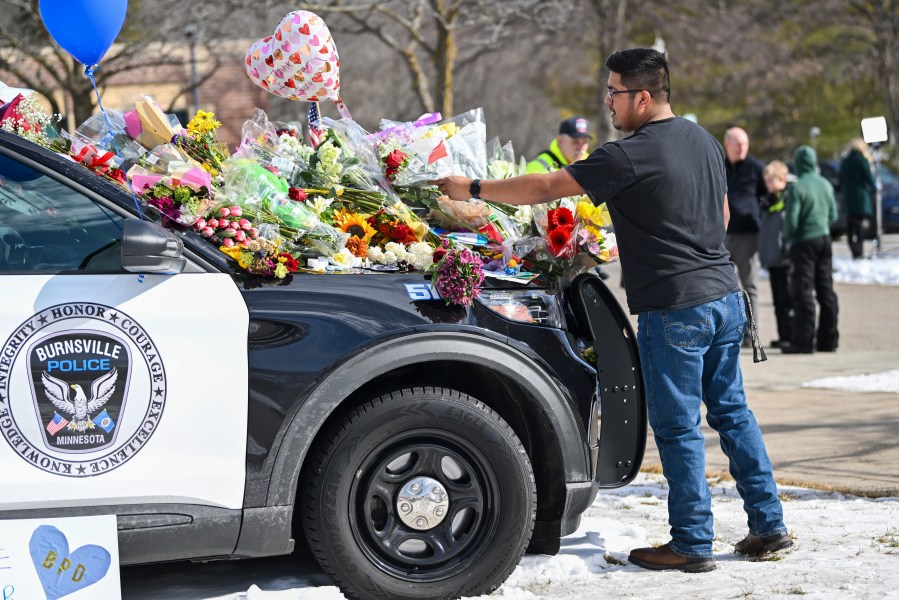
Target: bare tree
881, 19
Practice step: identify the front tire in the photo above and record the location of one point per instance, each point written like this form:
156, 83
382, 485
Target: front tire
468, 497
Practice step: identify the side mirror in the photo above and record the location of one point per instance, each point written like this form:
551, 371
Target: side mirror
148, 248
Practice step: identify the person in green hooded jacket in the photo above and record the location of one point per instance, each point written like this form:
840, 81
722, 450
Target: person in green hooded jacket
809, 209
857, 182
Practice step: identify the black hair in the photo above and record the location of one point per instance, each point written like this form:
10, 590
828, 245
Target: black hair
642, 68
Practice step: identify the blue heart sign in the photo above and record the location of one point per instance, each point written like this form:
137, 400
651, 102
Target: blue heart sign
60, 571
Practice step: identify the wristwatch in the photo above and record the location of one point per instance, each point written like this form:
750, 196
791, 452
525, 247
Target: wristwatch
475, 189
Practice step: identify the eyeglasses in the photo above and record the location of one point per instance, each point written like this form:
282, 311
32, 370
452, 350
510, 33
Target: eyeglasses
611, 93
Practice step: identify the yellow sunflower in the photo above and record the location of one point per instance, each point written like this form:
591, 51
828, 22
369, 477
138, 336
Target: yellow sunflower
353, 224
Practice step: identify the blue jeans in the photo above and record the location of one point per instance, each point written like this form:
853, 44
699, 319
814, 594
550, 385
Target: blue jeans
692, 355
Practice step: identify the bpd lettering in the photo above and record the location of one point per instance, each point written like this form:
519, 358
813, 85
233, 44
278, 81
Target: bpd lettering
65, 565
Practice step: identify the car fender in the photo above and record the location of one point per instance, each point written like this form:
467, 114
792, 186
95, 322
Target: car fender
411, 349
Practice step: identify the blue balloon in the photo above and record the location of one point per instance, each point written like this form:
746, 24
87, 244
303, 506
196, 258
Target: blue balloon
84, 28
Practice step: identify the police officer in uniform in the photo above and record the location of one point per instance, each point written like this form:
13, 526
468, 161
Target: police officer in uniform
568, 147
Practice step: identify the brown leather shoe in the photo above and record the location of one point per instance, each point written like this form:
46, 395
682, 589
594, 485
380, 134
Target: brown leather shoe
753, 545
664, 558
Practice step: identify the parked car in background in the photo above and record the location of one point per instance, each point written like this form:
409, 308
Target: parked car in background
889, 182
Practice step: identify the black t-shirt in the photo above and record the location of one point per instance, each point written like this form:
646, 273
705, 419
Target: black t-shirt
745, 187
664, 187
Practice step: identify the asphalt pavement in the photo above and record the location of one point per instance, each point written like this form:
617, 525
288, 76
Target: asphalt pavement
830, 439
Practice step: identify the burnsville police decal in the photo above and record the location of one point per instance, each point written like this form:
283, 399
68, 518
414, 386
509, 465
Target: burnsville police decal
82, 389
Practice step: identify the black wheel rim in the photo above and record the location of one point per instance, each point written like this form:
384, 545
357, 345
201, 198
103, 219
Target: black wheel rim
459, 540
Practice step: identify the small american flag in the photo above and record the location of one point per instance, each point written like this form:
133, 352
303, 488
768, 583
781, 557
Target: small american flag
56, 424
316, 133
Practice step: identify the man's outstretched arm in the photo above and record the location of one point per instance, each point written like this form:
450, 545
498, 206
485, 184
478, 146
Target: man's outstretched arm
534, 188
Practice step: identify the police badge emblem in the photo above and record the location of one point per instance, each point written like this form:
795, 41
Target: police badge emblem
82, 389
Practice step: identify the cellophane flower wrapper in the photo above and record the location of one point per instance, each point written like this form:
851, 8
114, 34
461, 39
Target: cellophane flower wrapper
96, 131
261, 143
264, 196
468, 143
365, 171
558, 227
429, 158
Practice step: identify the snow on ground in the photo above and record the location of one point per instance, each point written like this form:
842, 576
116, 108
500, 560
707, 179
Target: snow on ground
880, 270
846, 547
888, 381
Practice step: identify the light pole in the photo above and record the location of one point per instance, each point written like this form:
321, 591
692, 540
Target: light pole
190, 32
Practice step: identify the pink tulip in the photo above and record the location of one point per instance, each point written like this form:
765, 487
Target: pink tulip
236, 211
228, 243
240, 236
207, 232
201, 223
225, 233
224, 212
253, 233
234, 225
214, 223
245, 224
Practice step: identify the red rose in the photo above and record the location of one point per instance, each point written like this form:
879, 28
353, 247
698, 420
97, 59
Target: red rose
395, 159
296, 194
438, 254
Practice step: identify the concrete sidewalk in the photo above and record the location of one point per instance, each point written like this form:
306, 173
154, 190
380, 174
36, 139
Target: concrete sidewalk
847, 441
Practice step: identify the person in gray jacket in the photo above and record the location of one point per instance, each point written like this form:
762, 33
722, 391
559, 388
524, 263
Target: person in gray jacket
772, 254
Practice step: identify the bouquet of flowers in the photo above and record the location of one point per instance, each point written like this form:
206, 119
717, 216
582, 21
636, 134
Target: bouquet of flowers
459, 274
262, 257
183, 204
595, 236
200, 142
24, 116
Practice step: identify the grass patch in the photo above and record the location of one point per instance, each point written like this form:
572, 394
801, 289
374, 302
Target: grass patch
770, 557
793, 590
890, 539
889, 542
613, 561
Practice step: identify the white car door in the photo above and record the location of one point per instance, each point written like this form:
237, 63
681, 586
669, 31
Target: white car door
115, 388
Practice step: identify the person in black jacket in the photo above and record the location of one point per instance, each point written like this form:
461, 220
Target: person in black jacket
772, 252
745, 189
859, 191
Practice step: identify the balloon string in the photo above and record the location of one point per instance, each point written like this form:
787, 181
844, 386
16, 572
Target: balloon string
89, 71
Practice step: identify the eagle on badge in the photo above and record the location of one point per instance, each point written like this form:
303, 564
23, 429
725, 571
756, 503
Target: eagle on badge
80, 408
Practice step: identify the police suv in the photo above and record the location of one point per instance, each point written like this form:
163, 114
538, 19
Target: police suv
417, 448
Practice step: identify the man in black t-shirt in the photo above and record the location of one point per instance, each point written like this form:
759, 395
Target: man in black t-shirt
666, 190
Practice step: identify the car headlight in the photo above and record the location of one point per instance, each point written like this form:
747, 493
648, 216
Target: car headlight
538, 307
